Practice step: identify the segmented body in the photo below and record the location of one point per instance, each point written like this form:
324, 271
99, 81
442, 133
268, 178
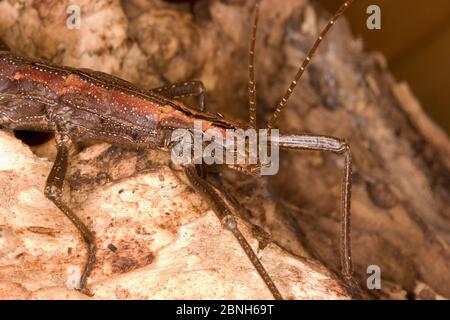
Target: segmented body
90, 106
85, 106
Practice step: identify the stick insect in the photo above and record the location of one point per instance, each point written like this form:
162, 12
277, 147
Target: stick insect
85, 106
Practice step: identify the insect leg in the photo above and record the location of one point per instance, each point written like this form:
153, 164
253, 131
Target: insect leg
215, 180
184, 89
53, 191
223, 212
251, 73
338, 146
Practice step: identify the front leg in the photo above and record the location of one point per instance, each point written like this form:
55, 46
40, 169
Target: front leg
338, 146
53, 191
223, 212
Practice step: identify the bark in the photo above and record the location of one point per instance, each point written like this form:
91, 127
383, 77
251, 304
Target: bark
400, 201
156, 237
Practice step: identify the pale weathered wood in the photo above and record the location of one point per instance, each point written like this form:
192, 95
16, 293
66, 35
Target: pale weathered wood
156, 238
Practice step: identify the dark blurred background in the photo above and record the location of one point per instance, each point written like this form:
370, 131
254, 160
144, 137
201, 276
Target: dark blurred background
415, 39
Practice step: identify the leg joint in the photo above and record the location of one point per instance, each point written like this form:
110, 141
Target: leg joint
344, 147
229, 222
52, 192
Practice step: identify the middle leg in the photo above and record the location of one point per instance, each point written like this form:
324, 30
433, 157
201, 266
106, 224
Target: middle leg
184, 89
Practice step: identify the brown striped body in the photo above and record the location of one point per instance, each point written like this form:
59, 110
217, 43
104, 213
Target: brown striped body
90, 106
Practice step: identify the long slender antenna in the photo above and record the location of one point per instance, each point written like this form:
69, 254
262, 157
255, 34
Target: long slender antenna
251, 73
300, 71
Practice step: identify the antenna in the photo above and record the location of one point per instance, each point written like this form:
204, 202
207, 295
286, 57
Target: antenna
251, 73
284, 100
